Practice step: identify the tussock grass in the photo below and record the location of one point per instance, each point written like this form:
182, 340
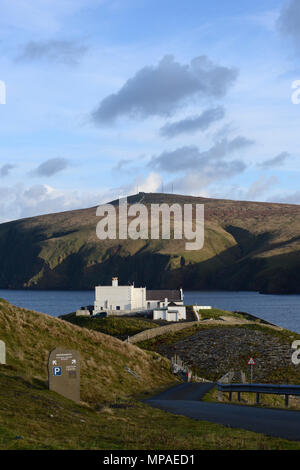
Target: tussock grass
34, 418
30, 336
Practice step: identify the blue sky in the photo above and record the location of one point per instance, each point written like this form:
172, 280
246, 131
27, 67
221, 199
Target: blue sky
109, 97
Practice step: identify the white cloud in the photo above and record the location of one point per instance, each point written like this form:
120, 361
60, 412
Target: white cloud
41, 15
6, 169
286, 198
19, 202
255, 192
260, 186
148, 184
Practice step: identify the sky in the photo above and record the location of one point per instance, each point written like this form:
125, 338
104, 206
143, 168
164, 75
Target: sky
106, 98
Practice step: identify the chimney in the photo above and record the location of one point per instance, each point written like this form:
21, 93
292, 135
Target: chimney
181, 294
115, 282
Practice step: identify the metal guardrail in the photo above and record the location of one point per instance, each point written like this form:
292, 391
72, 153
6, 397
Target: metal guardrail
273, 389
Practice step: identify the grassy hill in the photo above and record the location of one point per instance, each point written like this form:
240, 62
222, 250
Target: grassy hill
109, 417
248, 246
120, 327
30, 336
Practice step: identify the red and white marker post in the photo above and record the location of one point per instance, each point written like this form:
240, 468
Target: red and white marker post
251, 363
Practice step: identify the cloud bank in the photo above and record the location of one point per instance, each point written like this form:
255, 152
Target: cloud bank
51, 167
190, 157
276, 161
193, 124
66, 52
5, 169
159, 90
289, 22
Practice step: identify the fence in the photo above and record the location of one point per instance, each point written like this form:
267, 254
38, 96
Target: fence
161, 330
273, 389
184, 369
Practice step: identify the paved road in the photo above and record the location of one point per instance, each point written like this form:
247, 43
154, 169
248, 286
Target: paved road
185, 391
184, 399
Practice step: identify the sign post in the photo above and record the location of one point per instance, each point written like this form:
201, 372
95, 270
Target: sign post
64, 373
251, 363
2, 352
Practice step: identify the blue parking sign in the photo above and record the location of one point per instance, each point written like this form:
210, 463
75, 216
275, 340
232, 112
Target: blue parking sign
56, 371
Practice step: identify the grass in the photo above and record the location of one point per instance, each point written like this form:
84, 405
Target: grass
216, 314
120, 327
110, 415
31, 417
30, 336
249, 399
173, 337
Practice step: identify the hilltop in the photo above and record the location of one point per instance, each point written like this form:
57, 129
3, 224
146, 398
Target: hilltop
248, 246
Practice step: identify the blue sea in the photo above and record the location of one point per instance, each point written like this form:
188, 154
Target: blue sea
282, 310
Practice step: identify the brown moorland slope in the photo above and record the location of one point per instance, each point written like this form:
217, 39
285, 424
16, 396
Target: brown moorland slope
248, 246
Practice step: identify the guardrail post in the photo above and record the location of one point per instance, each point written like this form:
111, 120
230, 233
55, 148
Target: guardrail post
283, 390
287, 400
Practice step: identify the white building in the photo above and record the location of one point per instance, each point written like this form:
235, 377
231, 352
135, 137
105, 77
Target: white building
172, 312
161, 298
115, 297
165, 304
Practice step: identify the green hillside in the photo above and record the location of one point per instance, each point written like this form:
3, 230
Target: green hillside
120, 327
30, 336
248, 246
110, 415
